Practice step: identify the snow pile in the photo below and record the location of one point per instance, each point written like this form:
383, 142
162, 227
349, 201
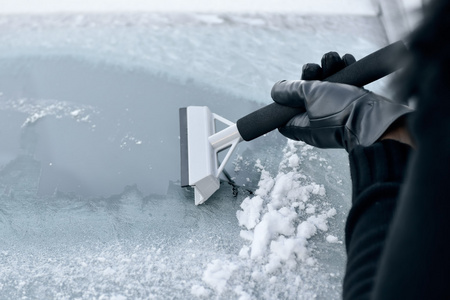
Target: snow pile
278, 219
279, 223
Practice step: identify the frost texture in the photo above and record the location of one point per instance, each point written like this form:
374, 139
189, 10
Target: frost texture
37, 109
135, 244
242, 54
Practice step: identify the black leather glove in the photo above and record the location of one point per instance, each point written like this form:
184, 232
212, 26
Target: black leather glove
337, 115
331, 63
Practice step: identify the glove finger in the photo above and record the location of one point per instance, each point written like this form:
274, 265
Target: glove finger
331, 63
348, 59
288, 93
311, 72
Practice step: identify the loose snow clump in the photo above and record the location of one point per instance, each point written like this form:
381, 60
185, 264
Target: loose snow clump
279, 219
217, 274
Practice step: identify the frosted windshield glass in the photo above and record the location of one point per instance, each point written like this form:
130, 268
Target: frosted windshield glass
91, 203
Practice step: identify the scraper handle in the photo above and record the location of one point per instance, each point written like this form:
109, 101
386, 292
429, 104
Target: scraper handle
366, 70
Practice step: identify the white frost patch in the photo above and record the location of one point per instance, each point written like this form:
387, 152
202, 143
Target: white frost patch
306, 230
200, 291
310, 209
332, 239
38, 109
210, 18
241, 293
246, 235
109, 272
252, 207
288, 186
266, 182
273, 224
331, 213
294, 161
75, 113
217, 274
128, 140
244, 252
289, 248
319, 221
237, 163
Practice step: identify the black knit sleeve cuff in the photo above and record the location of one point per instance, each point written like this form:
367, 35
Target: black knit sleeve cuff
383, 161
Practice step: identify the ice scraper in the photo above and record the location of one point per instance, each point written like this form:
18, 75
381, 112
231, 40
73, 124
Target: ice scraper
200, 143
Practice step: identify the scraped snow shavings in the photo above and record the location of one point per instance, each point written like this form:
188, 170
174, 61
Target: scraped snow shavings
218, 273
332, 239
276, 218
129, 140
278, 221
38, 109
199, 291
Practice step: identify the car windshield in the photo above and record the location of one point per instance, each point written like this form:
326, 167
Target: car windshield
91, 202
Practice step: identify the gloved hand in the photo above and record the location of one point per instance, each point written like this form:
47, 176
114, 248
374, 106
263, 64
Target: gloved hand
331, 63
337, 115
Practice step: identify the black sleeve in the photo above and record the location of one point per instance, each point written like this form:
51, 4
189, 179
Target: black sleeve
377, 174
416, 259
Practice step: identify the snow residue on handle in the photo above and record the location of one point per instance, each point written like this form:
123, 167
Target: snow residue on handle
279, 219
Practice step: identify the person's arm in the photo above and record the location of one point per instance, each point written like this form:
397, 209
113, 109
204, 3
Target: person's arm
377, 174
415, 263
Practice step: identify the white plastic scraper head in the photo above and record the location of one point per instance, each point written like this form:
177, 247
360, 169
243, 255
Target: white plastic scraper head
199, 145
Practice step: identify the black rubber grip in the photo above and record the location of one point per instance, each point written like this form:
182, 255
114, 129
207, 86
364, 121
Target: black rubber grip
366, 70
